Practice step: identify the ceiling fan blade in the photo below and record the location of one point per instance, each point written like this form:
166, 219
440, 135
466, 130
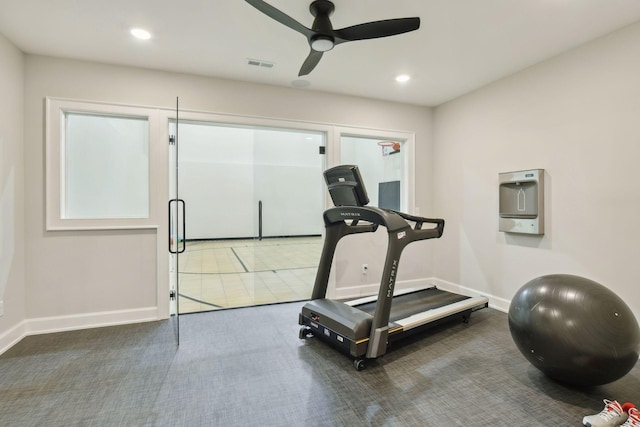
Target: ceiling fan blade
376, 29
310, 63
281, 17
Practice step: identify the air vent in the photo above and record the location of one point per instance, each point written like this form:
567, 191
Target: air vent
260, 63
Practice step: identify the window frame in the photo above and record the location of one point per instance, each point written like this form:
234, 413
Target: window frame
56, 110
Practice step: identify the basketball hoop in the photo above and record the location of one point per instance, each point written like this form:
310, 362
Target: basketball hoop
389, 147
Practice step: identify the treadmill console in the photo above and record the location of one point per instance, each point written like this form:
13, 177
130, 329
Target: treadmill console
346, 186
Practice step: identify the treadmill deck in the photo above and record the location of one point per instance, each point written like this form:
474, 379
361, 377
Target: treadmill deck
348, 325
409, 304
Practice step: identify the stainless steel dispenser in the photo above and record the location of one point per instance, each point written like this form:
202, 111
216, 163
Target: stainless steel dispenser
521, 201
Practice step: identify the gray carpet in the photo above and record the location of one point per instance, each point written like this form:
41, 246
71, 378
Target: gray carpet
247, 367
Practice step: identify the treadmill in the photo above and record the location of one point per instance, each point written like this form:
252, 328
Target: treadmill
364, 327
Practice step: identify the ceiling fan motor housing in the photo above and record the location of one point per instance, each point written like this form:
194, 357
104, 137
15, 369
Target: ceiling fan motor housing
322, 41
321, 7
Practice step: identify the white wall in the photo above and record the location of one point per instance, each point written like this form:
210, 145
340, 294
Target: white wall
12, 282
76, 276
576, 116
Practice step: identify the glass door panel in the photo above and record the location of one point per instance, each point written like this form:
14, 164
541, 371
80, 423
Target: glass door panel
288, 180
248, 191
289, 191
176, 243
216, 183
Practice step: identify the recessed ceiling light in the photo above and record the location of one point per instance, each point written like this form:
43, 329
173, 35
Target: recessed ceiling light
301, 83
141, 34
403, 78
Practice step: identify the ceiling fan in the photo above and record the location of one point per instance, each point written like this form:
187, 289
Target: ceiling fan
322, 37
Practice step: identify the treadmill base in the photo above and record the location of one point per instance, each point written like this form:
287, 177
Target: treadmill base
340, 330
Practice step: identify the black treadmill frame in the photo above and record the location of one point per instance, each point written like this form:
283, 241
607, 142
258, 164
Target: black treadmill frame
341, 221
343, 325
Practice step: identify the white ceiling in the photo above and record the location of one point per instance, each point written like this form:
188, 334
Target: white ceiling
460, 46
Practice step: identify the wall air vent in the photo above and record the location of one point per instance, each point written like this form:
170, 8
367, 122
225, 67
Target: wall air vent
260, 63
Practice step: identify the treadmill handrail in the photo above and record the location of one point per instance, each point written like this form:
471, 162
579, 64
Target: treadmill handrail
420, 220
394, 221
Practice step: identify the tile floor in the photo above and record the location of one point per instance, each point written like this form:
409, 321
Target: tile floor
217, 274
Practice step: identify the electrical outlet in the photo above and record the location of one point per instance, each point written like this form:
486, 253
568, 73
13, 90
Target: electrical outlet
365, 267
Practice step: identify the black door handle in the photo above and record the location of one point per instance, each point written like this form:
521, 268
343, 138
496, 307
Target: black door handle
184, 227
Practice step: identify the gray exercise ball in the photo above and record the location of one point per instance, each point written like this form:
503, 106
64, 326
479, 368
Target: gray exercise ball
574, 330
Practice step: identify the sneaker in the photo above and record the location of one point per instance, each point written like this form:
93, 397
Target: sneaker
633, 420
612, 415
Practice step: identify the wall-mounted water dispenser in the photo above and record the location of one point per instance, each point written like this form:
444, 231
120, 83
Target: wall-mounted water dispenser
521, 201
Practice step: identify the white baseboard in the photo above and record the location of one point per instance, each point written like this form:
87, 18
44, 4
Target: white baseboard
11, 337
46, 325
352, 292
495, 302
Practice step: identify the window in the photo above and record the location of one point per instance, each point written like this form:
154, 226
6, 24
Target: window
99, 165
106, 164
384, 160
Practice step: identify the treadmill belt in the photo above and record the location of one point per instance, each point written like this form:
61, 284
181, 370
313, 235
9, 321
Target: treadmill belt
416, 302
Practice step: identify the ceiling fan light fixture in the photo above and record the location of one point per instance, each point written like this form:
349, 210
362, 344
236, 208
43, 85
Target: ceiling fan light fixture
300, 83
321, 43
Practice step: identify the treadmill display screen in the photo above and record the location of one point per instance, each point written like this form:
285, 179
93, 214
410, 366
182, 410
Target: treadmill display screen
346, 186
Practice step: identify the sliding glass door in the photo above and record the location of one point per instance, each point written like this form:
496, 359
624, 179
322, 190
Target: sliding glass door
253, 198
